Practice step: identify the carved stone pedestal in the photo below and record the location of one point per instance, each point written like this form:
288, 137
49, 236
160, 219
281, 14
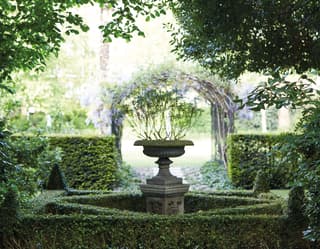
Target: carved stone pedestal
164, 199
164, 192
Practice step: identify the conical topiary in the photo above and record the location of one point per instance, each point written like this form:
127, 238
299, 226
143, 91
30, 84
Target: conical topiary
56, 179
261, 183
296, 205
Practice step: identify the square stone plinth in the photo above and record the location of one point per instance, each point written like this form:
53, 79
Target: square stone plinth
164, 199
165, 205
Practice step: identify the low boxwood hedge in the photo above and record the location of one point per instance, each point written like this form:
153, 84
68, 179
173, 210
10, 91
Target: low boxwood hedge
194, 202
152, 231
75, 222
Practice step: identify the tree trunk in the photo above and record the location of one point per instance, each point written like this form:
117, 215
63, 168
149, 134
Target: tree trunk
263, 120
104, 48
214, 131
117, 130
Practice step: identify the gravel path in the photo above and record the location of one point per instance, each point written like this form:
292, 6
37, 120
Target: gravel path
190, 175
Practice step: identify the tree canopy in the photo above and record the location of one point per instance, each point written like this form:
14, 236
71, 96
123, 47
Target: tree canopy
30, 30
227, 37
231, 37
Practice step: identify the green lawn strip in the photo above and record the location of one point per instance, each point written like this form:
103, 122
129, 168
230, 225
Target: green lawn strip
283, 193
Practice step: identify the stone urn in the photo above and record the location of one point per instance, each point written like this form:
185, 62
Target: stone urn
164, 192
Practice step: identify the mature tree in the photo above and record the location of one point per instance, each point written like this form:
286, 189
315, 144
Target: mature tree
231, 37
30, 30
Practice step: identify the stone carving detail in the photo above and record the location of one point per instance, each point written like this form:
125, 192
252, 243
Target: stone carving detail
174, 206
154, 206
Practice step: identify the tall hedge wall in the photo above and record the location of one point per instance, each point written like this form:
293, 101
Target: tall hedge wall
88, 162
247, 154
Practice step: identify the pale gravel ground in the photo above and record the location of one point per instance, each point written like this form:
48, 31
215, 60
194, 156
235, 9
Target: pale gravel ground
190, 175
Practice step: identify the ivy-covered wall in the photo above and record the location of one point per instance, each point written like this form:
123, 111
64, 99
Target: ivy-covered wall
88, 162
249, 153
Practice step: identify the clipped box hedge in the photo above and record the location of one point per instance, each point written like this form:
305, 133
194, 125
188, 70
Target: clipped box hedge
150, 232
249, 153
75, 222
194, 202
88, 162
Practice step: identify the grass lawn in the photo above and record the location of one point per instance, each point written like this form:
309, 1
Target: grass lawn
284, 193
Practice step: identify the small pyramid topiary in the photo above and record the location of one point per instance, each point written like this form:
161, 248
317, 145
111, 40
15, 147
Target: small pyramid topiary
296, 205
261, 183
56, 179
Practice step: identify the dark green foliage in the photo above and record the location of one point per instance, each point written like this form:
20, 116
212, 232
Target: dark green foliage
257, 209
312, 208
231, 37
9, 212
105, 226
30, 32
134, 205
6, 166
247, 154
306, 145
85, 226
194, 202
240, 193
309, 171
296, 206
56, 179
93, 232
88, 162
261, 183
31, 160
297, 219
71, 192
277, 91
120, 201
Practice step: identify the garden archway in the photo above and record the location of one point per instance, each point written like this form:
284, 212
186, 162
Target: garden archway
219, 97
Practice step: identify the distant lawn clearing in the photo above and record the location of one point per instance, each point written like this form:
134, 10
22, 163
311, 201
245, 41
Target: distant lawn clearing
195, 156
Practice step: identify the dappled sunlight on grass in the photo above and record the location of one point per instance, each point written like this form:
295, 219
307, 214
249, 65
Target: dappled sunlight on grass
284, 193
